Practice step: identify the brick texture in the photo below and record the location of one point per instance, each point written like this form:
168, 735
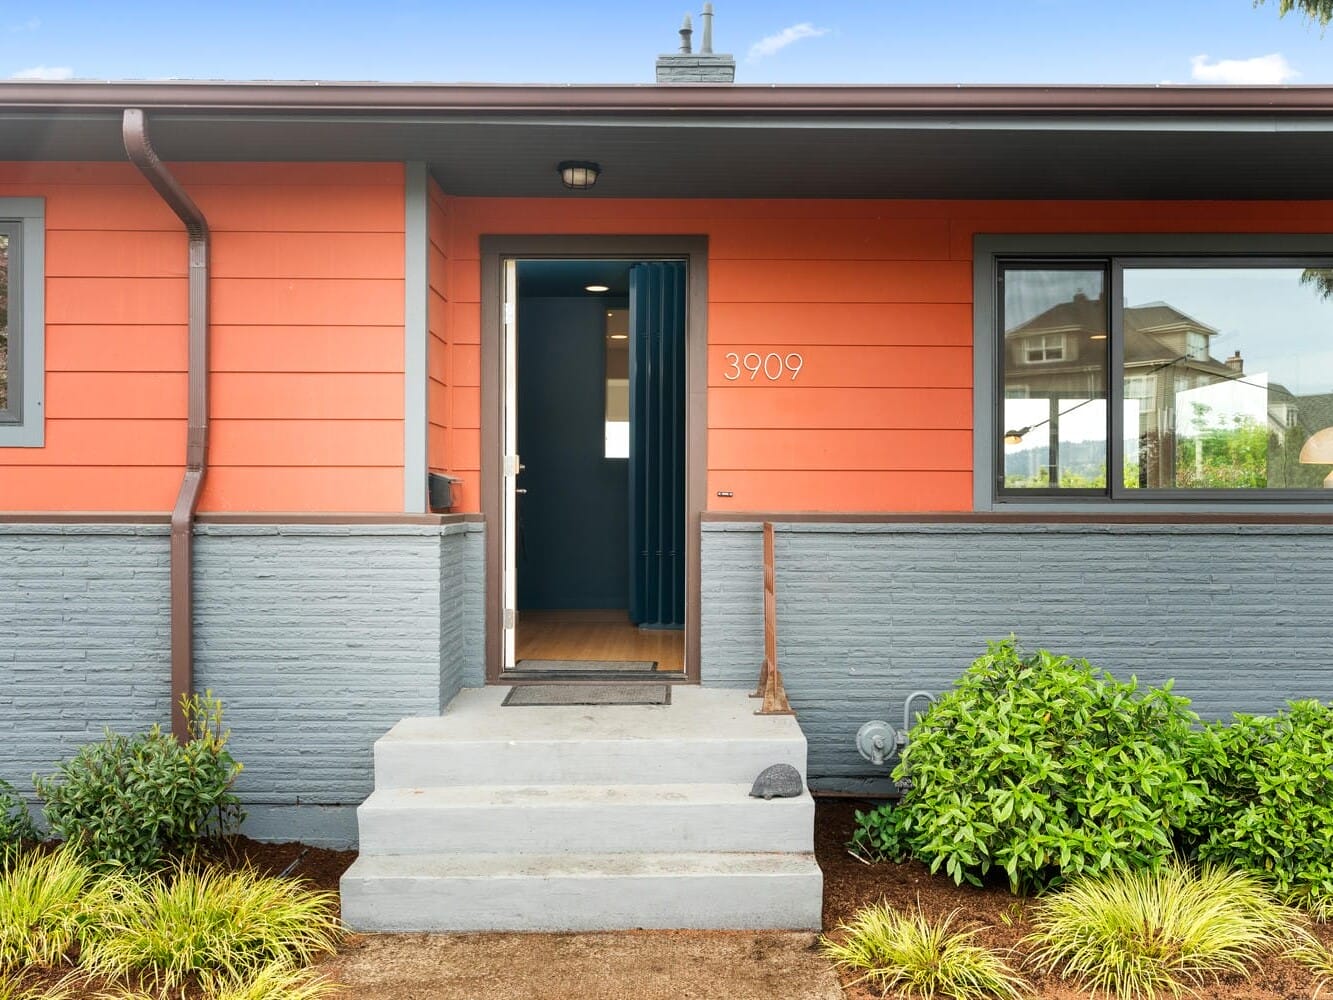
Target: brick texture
317, 639
1240, 616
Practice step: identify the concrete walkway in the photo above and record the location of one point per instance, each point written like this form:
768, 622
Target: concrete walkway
644, 965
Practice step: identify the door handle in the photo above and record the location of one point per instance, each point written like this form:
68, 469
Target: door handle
521, 491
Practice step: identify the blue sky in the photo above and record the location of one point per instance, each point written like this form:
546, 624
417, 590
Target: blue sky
834, 41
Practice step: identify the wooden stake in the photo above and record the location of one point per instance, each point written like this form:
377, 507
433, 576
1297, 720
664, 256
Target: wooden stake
770, 687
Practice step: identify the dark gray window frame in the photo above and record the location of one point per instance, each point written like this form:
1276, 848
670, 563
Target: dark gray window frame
1165, 250
22, 421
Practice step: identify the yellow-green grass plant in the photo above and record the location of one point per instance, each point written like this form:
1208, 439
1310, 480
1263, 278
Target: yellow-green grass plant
14, 988
209, 921
1315, 956
914, 956
272, 982
49, 902
1143, 934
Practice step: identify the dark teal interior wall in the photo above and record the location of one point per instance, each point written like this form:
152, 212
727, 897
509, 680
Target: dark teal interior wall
573, 530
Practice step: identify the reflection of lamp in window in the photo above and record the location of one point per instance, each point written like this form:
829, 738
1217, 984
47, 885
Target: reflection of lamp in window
1319, 451
1016, 437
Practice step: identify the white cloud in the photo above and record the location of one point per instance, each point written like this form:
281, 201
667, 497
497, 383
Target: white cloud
44, 73
775, 43
1272, 68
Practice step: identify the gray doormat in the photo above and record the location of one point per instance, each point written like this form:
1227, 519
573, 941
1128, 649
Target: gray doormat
589, 694
586, 665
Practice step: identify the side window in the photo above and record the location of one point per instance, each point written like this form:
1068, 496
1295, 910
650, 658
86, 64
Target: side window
22, 353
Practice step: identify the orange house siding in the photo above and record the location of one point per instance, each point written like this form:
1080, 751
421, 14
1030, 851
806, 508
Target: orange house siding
876, 296
307, 339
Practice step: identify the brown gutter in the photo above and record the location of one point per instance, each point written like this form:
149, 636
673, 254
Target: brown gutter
134, 128
393, 98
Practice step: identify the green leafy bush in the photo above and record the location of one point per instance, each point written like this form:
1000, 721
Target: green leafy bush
1046, 767
911, 956
879, 835
15, 820
1145, 934
131, 800
1269, 809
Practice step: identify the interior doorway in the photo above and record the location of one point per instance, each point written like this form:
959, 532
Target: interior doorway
594, 480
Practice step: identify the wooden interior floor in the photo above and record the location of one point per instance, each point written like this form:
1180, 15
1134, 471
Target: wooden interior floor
596, 635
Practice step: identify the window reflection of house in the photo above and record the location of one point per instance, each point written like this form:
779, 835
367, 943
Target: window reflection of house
1181, 392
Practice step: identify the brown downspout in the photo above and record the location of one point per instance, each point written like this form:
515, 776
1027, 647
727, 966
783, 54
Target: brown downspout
140, 151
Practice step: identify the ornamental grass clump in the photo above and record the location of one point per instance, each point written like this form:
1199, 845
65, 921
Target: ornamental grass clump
15, 988
916, 957
1139, 935
1269, 809
51, 901
1045, 767
209, 922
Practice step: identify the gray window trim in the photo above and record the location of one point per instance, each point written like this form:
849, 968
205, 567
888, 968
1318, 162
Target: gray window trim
22, 425
1217, 249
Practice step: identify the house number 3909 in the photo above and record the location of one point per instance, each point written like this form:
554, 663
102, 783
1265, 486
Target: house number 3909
773, 366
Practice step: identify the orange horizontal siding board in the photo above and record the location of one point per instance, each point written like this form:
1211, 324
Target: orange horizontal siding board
302, 348
115, 254
266, 174
307, 301
127, 208
307, 255
295, 443
796, 324
793, 407
465, 410
154, 301
116, 395
307, 395
830, 366
98, 348
298, 207
464, 448
103, 442
464, 322
871, 238
839, 281
313, 490
89, 487
840, 449
852, 491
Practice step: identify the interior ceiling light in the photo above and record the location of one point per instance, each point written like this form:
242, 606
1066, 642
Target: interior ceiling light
579, 175
1319, 451
1097, 336
597, 288
620, 336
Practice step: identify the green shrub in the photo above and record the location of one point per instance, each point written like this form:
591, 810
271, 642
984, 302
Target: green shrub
131, 800
1046, 767
49, 901
879, 835
15, 821
915, 957
1144, 934
1269, 809
225, 925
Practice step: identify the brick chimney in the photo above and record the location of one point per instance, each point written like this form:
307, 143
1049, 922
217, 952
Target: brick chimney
1236, 363
705, 66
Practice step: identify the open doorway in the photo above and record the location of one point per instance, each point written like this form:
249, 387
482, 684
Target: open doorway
595, 490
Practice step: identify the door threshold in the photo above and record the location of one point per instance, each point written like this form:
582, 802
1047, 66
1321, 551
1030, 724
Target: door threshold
519, 678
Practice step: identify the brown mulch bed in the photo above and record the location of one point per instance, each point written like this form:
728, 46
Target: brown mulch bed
1001, 918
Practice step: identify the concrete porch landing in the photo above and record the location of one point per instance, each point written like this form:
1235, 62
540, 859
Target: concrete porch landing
568, 818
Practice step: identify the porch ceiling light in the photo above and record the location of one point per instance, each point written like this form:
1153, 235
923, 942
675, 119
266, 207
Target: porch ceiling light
579, 175
1319, 451
1015, 437
597, 288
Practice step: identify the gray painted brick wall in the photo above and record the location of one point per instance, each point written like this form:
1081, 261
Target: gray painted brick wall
84, 634
1240, 616
716, 67
317, 638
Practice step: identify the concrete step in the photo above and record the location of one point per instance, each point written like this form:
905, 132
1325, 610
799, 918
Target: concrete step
559, 819
589, 892
706, 735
